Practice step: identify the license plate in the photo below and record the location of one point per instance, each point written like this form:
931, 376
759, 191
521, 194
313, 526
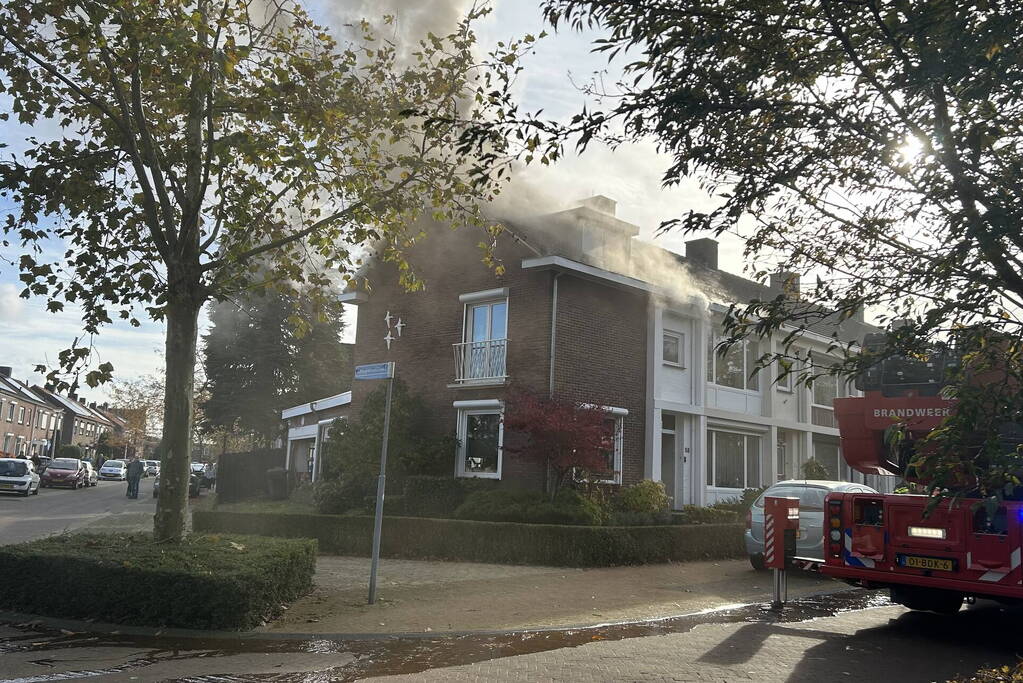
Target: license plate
6, 486
918, 562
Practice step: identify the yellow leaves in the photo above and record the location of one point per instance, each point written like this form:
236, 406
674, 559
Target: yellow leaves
992, 51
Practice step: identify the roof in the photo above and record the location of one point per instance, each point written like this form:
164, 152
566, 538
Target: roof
67, 403
622, 260
20, 389
335, 401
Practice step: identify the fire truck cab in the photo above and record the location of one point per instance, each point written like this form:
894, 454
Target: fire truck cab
929, 561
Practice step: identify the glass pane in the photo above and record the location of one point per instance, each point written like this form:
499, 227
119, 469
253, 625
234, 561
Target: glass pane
481, 443
670, 352
752, 461
752, 355
729, 371
728, 459
824, 390
668, 422
480, 323
710, 359
827, 454
610, 444
499, 320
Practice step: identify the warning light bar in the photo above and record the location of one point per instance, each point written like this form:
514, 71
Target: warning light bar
926, 532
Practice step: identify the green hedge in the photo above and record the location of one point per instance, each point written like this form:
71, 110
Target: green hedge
504, 542
206, 582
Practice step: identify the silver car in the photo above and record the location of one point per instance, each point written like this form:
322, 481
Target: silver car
810, 538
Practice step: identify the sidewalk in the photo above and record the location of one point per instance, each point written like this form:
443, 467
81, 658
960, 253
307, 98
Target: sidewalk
425, 596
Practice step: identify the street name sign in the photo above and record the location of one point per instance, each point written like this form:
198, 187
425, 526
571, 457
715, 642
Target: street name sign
375, 371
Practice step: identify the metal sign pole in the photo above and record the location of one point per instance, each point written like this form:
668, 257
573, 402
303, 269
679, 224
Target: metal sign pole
378, 521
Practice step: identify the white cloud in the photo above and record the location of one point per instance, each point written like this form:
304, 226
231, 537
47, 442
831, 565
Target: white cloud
11, 305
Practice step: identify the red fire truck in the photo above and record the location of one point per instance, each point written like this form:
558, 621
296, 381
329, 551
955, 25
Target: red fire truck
929, 562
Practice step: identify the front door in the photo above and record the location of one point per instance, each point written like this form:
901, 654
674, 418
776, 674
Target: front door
673, 460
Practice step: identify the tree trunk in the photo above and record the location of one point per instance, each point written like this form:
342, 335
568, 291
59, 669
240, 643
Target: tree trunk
172, 504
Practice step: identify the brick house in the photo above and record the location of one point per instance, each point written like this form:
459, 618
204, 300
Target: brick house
585, 311
27, 420
77, 423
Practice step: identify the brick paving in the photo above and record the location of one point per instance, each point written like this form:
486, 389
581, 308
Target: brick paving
879, 644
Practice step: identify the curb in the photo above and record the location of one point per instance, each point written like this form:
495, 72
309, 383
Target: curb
76, 626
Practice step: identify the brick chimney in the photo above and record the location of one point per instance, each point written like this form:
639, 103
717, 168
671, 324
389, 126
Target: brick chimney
787, 283
5, 370
703, 251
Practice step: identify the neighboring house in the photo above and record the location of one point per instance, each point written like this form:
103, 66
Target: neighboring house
27, 420
586, 311
77, 423
307, 428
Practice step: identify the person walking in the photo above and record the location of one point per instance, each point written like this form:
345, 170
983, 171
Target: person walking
134, 476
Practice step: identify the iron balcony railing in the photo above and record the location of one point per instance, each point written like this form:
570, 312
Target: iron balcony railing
477, 361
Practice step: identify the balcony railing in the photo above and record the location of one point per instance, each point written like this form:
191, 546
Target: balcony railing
823, 417
480, 361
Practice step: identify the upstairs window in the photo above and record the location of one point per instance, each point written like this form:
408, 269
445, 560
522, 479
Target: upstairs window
737, 368
672, 348
21, 415
482, 355
10, 411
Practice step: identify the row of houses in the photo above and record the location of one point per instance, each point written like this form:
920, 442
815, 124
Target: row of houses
35, 420
583, 309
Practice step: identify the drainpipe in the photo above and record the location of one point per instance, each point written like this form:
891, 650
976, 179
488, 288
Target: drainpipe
554, 327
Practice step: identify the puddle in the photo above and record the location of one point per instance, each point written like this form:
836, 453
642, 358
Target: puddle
399, 654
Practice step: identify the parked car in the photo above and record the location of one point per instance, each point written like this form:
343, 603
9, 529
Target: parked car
18, 476
194, 484
810, 538
91, 478
152, 467
67, 472
114, 469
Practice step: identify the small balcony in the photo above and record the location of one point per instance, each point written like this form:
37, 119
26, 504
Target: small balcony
481, 362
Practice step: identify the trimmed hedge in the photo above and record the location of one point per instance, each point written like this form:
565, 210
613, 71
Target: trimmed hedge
205, 582
501, 542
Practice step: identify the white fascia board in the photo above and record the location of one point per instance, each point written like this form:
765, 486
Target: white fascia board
562, 263
613, 410
335, 401
354, 298
304, 432
479, 404
499, 293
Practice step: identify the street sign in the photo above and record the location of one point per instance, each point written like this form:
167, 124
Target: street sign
374, 371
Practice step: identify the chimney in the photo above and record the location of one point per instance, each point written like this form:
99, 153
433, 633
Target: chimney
703, 251
600, 203
5, 370
787, 283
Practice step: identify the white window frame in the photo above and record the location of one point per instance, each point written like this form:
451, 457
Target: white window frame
482, 407
11, 408
469, 305
712, 453
784, 383
680, 339
8, 437
619, 441
21, 415
714, 340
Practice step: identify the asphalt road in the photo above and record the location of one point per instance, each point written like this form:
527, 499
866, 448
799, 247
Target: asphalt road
56, 510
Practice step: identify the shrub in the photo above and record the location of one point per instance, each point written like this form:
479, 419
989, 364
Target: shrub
429, 496
740, 504
509, 505
70, 450
643, 497
627, 518
205, 582
473, 541
694, 514
335, 496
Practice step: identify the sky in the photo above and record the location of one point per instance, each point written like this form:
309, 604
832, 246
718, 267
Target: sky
631, 175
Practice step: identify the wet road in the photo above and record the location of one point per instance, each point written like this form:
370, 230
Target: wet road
56, 510
851, 636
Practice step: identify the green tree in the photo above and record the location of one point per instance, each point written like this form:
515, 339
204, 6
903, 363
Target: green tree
183, 151
872, 145
258, 362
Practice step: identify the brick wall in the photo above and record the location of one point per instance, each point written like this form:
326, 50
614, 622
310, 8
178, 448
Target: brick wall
601, 345
450, 263
600, 357
26, 429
